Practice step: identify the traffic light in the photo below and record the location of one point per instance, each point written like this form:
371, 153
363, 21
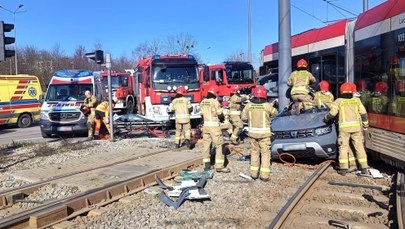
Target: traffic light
97, 56
4, 41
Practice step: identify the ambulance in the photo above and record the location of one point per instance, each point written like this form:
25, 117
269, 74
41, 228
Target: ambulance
60, 111
19, 100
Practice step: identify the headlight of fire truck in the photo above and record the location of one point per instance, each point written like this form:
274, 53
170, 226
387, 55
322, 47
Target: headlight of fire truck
186, 87
174, 88
169, 88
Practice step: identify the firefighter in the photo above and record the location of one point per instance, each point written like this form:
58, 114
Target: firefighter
212, 115
399, 100
378, 101
102, 116
352, 118
299, 82
324, 98
235, 111
364, 93
89, 109
258, 114
226, 125
182, 108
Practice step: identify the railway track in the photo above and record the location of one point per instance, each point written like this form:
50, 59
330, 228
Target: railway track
57, 210
328, 200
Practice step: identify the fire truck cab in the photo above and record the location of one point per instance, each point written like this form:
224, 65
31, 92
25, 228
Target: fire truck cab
157, 79
227, 75
122, 85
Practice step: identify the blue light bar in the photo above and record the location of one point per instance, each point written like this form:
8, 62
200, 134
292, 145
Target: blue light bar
156, 57
73, 73
190, 57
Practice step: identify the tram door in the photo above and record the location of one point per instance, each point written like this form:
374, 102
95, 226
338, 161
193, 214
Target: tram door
328, 67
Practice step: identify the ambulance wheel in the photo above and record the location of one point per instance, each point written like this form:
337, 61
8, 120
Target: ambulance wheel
24, 121
45, 135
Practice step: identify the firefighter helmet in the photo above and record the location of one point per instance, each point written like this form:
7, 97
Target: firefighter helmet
346, 88
213, 89
354, 87
181, 90
260, 92
302, 63
394, 60
381, 86
324, 85
235, 89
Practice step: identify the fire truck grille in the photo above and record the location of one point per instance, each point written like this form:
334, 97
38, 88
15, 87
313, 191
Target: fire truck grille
64, 116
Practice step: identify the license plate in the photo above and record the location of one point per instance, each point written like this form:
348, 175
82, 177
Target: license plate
294, 147
64, 128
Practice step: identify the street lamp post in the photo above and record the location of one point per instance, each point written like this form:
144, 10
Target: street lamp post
15, 33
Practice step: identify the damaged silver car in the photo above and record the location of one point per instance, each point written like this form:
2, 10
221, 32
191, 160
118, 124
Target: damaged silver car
304, 135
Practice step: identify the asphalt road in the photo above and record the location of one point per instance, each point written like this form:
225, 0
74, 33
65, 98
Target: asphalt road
8, 134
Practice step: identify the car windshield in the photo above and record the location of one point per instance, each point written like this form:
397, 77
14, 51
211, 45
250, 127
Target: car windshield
175, 74
67, 92
238, 75
116, 81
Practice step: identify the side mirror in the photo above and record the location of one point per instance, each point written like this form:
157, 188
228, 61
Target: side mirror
125, 81
41, 98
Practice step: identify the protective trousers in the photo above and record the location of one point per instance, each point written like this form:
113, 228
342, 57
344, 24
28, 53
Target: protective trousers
90, 124
356, 139
237, 126
100, 118
180, 127
260, 157
212, 135
305, 99
227, 127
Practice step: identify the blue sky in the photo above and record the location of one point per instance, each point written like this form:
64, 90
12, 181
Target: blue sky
121, 25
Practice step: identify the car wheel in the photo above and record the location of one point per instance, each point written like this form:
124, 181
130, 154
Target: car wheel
24, 121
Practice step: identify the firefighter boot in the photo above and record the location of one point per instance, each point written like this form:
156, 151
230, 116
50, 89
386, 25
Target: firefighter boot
187, 143
207, 166
342, 172
223, 170
365, 171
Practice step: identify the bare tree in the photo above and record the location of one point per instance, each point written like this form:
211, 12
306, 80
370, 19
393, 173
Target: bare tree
146, 49
122, 63
238, 55
182, 43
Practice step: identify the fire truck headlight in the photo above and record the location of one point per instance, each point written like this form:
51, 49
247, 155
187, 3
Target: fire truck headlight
169, 88
174, 88
186, 87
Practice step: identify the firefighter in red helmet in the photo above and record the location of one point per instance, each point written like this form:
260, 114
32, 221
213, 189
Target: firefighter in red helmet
181, 107
299, 82
378, 101
352, 118
258, 114
324, 98
212, 115
235, 110
89, 109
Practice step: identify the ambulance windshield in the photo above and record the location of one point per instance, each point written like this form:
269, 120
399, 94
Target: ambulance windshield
67, 92
175, 74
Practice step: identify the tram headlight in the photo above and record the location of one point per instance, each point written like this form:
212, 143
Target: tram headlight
323, 130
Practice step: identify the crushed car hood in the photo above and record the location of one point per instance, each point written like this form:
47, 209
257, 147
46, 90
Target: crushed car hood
297, 122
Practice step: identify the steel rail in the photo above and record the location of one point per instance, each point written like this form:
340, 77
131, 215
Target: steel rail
8, 197
285, 212
70, 207
400, 200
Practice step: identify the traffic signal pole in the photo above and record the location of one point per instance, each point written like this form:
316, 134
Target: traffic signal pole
284, 51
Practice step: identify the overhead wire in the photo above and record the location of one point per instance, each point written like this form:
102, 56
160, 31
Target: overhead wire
303, 11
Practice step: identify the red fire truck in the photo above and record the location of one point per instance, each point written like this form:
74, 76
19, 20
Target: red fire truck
122, 85
157, 79
227, 75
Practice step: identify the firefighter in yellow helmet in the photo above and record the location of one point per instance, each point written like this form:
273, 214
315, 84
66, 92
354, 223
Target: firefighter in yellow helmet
299, 82
212, 115
324, 98
89, 109
235, 111
258, 114
103, 117
182, 108
353, 120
